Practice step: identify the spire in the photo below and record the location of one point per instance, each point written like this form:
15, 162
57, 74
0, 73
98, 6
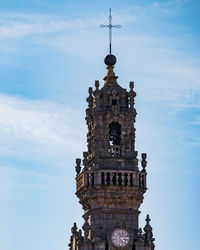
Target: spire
147, 220
110, 59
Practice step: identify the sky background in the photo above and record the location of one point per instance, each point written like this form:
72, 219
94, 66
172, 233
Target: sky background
50, 53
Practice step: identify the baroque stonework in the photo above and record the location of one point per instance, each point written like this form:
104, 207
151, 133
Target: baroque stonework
110, 185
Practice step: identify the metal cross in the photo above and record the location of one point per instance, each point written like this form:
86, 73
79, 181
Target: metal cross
110, 26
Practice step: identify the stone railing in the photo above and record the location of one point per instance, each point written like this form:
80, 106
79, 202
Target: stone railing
112, 177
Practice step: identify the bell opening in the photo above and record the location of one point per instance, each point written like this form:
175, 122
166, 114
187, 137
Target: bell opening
115, 133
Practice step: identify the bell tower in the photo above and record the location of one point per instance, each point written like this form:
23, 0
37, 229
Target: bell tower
110, 185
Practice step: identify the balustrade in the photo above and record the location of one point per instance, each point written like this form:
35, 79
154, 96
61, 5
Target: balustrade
122, 178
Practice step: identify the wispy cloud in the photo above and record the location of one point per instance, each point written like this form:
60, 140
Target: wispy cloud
38, 126
19, 29
37, 138
16, 25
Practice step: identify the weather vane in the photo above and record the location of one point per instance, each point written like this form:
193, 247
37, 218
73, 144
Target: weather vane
110, 26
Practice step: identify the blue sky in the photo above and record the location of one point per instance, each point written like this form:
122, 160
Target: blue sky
50, 53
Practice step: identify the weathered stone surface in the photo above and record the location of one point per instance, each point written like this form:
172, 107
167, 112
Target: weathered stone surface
111, 186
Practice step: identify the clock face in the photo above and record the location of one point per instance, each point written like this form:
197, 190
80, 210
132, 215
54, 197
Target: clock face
120, 237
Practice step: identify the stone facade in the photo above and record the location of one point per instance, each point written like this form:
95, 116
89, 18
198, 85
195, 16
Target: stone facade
110, 185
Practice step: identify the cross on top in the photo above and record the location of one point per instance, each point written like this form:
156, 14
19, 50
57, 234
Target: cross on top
110, 26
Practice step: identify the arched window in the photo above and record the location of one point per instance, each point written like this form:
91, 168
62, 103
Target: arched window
114, 133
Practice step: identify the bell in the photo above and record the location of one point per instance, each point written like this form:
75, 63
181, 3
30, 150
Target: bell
114, 137
114, 133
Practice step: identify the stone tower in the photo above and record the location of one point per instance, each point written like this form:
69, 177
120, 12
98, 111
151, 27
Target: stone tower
110, 186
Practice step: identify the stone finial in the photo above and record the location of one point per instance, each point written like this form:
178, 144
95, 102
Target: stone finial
131, 86
90, 91
96, 94
90, 98
148, 232
74, 229
147, 219
97, 85
148, 228
144, 162
78, 166
131, 95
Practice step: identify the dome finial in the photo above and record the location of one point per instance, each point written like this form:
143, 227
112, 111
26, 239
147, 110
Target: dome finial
110, 60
